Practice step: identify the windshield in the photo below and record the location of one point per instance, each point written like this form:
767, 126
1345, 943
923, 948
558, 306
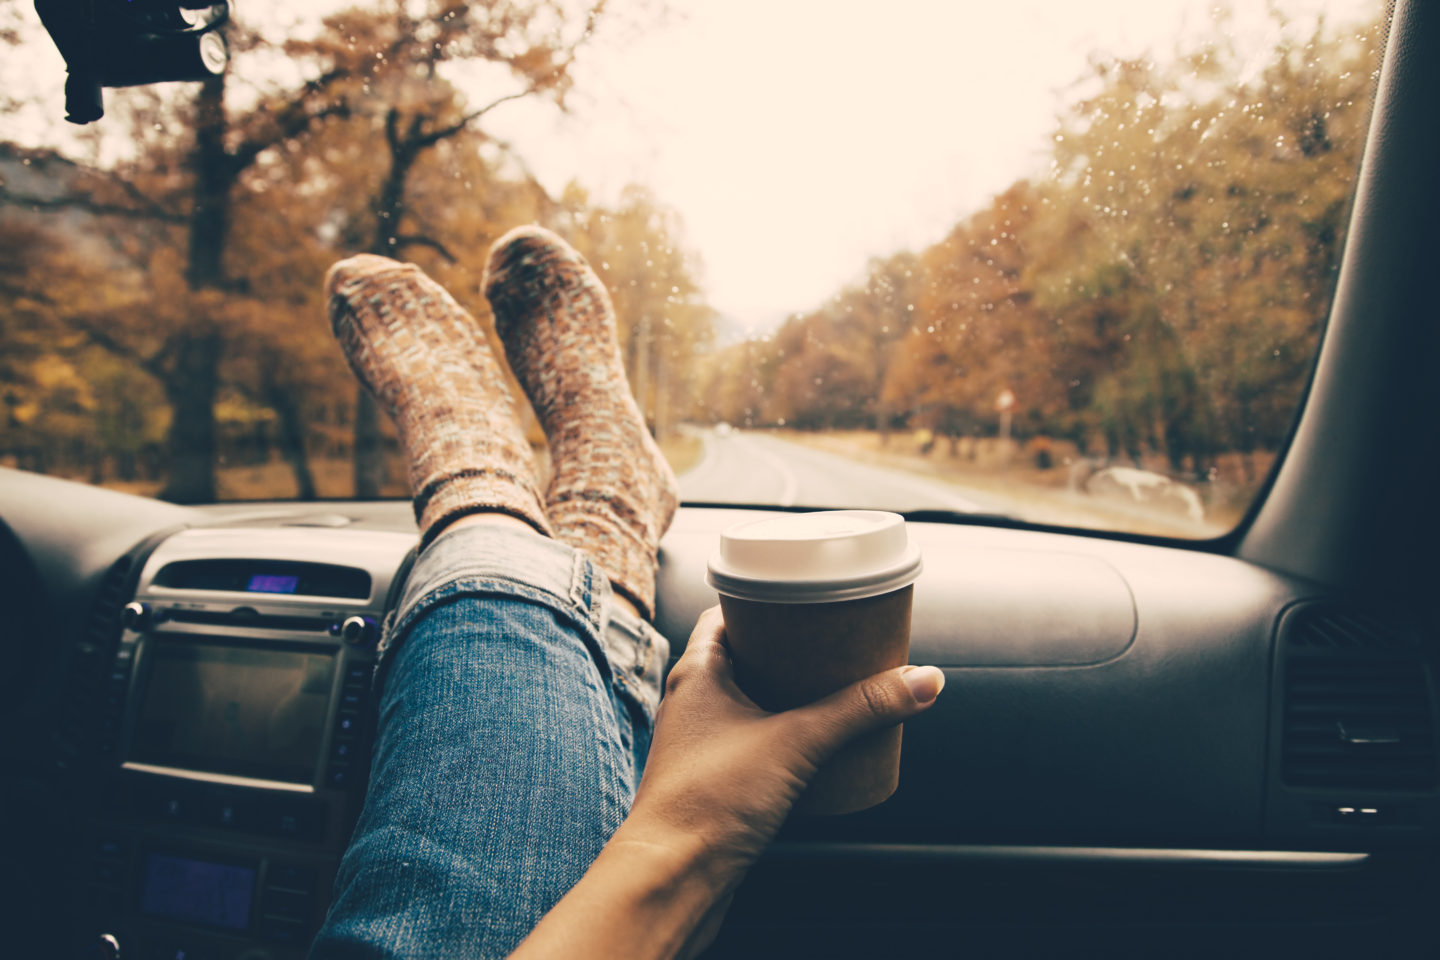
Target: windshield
1066, 263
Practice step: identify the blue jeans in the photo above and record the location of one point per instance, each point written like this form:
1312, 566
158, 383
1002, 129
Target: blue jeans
516, 705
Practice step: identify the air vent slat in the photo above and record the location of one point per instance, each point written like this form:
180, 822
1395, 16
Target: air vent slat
1369, 780
90, 656
1421, 749
1408, 768
1357, 710
1327, 627
1342, 707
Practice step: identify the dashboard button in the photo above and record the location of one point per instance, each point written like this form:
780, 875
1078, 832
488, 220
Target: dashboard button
171, 801
105, 947
135, 616
302, 819
175, 808
357, 630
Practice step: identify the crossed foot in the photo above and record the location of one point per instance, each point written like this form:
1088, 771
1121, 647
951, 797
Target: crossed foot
427, 362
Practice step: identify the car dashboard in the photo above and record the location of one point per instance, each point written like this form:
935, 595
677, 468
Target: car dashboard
1139, 745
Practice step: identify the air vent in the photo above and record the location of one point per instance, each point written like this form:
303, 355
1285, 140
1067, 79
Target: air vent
90, 660
1357, 722
1323, 627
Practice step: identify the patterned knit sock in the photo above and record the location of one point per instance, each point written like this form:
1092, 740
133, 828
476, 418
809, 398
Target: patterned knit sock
612, 495
427, 362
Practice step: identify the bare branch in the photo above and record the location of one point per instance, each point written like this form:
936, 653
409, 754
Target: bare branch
392, 129
476, 115
293, 120
144, 199
88, 203
419, 240
94, 328
421, 142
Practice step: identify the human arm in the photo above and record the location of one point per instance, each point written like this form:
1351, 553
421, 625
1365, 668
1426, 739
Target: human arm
721, 777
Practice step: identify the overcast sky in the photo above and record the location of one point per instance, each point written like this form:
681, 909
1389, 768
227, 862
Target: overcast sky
798, 138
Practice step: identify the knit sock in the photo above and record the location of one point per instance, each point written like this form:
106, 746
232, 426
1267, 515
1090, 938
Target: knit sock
612, 493
428, 364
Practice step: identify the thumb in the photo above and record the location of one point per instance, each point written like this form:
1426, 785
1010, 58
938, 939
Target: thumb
879, 701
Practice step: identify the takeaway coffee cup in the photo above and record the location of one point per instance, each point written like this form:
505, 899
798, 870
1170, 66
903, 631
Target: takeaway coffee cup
813, 602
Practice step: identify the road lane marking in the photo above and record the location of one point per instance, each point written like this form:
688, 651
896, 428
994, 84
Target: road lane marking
790, 486
933, 491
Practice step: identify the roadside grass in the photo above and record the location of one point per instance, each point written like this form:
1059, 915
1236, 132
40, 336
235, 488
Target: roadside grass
1009, 482
1006, 483
274, 480
682, 449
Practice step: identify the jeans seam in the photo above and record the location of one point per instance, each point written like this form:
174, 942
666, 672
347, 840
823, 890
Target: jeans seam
578, 594
476, 584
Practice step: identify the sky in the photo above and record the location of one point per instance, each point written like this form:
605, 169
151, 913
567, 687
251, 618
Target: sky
799, 138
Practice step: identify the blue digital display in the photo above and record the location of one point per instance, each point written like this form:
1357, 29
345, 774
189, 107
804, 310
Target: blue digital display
195, 891
272, 583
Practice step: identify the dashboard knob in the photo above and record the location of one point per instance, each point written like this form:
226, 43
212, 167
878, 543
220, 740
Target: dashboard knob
356, 630
105, 947
135, 616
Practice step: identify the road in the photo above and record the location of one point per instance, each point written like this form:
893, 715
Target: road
743, 467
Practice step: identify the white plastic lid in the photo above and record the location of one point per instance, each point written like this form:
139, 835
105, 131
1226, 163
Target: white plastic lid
815, 557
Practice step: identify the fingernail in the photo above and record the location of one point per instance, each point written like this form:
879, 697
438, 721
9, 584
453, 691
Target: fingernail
925, 683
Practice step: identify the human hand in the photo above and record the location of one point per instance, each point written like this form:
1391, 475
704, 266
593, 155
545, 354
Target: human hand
721, 777
723, 774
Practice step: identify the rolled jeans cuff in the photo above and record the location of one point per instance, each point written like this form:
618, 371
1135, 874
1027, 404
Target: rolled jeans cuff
485, 560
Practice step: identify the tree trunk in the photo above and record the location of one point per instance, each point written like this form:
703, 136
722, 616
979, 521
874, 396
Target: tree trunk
190, 388
369, 455
368, 452
194, 356
210, 217
292, 437
640, 366
663, 426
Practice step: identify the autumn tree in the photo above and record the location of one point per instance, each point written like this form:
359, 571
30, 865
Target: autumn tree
530, 44
1160, 292
186, 188
637, 250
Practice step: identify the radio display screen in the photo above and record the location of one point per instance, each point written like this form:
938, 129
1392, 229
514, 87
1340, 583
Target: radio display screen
197, 891
272, 583
244, 711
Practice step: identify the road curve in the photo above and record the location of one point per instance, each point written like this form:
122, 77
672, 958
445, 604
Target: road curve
760, 469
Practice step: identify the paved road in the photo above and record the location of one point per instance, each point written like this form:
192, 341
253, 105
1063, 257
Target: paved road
744, 467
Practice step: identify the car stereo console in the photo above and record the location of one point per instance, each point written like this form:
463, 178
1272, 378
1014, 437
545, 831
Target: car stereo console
235, 736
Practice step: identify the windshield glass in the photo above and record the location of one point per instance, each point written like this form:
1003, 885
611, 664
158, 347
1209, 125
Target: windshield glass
1067, 263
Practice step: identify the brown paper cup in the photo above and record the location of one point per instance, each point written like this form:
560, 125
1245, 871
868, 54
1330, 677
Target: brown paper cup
812, 603
791, 654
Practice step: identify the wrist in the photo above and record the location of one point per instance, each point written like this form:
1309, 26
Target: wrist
644, 898
678, 858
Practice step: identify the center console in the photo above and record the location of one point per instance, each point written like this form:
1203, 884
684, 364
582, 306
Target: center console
234, 739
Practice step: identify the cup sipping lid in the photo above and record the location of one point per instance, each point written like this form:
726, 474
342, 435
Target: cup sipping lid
816, 557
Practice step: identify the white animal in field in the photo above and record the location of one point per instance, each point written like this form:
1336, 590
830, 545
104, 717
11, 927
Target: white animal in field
1143, 486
